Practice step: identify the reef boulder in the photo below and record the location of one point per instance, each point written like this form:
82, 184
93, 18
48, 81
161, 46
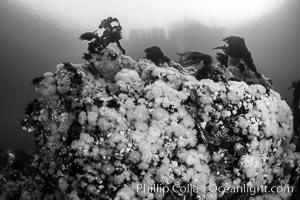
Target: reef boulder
114, 128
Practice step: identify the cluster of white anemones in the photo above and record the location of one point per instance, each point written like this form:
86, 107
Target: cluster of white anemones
103, 135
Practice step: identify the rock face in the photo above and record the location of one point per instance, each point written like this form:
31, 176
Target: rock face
114, 128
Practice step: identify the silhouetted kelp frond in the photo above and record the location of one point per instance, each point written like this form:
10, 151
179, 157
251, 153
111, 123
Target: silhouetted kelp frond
194, 57
236, 48
88, 36
111, 34
156, 55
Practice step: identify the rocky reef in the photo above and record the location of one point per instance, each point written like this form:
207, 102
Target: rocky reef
114, 128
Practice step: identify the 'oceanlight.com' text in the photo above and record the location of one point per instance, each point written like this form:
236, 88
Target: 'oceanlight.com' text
190, 188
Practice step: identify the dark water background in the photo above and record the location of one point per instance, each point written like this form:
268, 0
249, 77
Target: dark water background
29, 47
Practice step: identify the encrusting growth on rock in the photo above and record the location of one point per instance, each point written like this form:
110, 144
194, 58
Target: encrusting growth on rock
108, 127
296, 109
